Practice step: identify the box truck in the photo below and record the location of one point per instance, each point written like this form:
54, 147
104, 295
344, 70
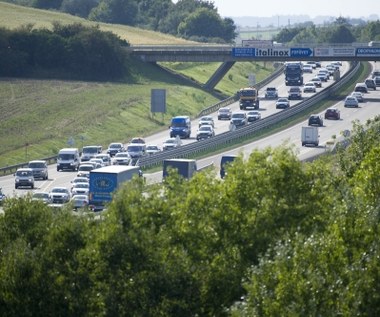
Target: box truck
185, 167
310, 136
106, 180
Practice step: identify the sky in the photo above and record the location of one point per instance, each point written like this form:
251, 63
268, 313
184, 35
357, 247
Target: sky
269, 8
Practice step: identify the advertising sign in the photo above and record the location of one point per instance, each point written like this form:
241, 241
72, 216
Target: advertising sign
368, 51
334, 51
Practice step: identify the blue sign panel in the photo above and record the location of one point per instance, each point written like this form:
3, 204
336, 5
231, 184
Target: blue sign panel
368, 51
243, 52
301, 52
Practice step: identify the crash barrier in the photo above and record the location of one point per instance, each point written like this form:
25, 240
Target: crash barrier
249, 131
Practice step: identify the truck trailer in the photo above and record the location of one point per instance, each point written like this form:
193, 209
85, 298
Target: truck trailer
185, 167
106, 180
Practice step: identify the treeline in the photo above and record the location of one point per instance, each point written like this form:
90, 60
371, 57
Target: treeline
196, 20
341, 31
277, 237
75, 50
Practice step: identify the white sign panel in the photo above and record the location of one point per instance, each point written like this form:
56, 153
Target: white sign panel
334, 51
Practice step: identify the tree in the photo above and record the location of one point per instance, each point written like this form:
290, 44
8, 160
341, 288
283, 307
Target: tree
115, 11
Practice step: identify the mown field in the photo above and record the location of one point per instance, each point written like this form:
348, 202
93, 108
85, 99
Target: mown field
39, 116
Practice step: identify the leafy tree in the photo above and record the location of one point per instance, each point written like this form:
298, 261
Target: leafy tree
115, 11
80, 8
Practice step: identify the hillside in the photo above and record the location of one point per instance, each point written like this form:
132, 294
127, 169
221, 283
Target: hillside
39, 116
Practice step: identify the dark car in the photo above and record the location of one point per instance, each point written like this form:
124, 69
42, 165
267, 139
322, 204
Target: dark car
371, 84
316, 119
226, 159
332, 113
377, 80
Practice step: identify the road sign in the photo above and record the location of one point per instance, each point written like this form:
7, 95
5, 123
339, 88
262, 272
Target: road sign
368, 51
243, 52
301, 52
71, 141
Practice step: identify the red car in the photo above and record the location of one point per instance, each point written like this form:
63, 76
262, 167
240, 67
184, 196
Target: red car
332, 113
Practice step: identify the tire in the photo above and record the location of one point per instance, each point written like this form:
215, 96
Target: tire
16, 186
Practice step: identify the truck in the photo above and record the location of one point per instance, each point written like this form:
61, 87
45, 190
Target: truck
185, 167
248, 98
181, 126
106, 180
293, 74
310, 136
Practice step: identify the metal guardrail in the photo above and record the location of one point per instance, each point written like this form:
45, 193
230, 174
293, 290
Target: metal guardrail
250, 130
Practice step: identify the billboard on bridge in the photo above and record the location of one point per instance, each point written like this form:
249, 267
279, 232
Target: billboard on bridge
368, 51
334, 51
271, 52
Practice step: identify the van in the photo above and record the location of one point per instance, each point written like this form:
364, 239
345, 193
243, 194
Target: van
89, 152
226, 159
39, 168
68, 159
181, 126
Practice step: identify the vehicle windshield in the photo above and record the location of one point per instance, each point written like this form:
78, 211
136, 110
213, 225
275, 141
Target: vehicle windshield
122, 155
238, 115
66, 157
204, 128
90, 150
170, 141
81, 185
152, 147
224, 110
59, 190
115, 146
177, 123
282, 100
86, 167
36, 165
248, 93
134, 148
253, 113
271, 89
24, 173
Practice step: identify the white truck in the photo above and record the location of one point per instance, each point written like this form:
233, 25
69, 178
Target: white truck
310, 136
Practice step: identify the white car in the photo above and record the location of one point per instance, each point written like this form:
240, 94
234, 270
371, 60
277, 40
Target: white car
253, 116
152, 149
98, 162
80, 189
171, 143
307, 68
358, 95
121, 158
84, 169
205, 131
208, 120
79, 201
59, 195
41, 196
105, 158
309, 87
351, 102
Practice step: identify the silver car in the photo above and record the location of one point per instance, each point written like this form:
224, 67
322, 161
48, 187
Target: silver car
351, 102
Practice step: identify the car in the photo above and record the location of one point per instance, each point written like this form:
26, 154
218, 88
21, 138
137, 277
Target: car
358, 95
39, 168
122, 158
371, 84
307, 68
309, 87
239, 118
331, 69
224, 113
79, 201
253, 116
271, 93
322, 76
324, 71
377, 80
282, 103
332, 113
315, 119
375, 74
171, 143
41, 196
318, 64
351, 101
138, 140
106, 158
312, 64
80, 189
84, 169
295, 93
317, 82
79, 180
136, 150
59, 195
205, 131
361, 87
114, 148
24, 178
208, 120
152, 149
97, 161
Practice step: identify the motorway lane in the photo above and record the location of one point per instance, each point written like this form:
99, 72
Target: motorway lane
267, 107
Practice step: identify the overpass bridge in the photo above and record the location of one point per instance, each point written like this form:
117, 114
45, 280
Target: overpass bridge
229, 55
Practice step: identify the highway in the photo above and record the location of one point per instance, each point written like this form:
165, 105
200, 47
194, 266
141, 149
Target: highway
267, 107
